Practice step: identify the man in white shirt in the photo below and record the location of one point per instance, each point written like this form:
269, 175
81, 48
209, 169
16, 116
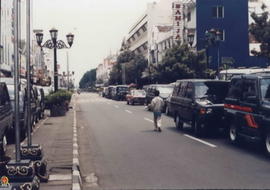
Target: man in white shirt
157, 105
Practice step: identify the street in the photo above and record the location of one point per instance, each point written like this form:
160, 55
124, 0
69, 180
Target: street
119, 149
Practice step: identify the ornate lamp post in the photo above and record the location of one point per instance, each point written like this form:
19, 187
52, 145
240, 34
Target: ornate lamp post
215, 38
55, 44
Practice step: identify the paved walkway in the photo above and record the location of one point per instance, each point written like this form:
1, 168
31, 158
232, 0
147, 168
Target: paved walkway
55, 134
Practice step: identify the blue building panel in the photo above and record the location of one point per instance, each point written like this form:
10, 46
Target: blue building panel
234, 23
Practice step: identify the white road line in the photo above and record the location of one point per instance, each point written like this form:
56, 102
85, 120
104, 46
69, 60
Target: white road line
116, 106
146, 119
201, 141
60, 177
128, 111
108, 103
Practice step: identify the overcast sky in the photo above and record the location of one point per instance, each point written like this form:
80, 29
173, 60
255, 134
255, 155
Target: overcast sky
99, 27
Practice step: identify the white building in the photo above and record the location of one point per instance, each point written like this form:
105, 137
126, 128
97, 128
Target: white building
154, 32
7, 36
104, 69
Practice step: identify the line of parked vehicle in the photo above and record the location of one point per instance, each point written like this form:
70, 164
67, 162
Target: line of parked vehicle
240, 107
7, 108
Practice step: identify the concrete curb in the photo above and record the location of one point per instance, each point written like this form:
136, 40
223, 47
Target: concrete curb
76, 176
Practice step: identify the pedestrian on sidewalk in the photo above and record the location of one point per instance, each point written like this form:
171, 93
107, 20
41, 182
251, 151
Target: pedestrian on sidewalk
157, 105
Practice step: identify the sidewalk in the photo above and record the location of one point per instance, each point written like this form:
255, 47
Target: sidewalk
55, 135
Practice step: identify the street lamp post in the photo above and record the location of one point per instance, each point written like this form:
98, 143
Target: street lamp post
55, 44
215, 38
20, 172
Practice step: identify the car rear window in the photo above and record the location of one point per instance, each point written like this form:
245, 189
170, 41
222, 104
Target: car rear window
265, 89
212, 90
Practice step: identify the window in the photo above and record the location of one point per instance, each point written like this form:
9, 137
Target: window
144, 28
235, 89
189, 93
189, 16
249, 90
182, 89
265, 89
222, 35
138, 33
218, 12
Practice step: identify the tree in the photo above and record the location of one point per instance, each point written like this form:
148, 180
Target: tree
260, 29
88, 79
133, 64
180, 62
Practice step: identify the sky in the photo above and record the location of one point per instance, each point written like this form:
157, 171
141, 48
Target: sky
99, 27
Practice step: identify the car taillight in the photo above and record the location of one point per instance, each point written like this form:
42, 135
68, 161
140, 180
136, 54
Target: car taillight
202, 111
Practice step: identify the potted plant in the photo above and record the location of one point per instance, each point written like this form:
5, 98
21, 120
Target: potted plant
58, 102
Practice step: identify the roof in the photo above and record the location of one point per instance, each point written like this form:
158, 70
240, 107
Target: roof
254, 75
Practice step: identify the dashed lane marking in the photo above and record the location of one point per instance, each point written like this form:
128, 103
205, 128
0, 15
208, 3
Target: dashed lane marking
60, 177
116, 106
146, 119
128, 111
201, 141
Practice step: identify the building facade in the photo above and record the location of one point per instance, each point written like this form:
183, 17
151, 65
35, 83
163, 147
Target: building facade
104, 69
7, 37
169, 21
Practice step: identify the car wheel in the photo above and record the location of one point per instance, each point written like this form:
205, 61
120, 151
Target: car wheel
233, 134
267, 143
132, 103
178, 123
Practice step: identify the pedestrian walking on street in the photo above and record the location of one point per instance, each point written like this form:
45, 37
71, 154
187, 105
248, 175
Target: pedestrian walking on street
157, 105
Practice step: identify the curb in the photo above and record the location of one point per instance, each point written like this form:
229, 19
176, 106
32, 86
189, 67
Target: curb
76, 176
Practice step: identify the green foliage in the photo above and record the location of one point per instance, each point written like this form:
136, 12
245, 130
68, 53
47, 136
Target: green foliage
261, 31
179, 63
58, 98
132, 64
88, 79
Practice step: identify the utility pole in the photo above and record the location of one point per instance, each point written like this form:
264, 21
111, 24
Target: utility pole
67, 70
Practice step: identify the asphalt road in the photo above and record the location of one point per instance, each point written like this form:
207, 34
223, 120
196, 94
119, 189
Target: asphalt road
119, 149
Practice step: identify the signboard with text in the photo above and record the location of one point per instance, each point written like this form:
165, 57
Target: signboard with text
178, 21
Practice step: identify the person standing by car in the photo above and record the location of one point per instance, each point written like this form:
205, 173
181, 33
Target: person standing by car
157, 105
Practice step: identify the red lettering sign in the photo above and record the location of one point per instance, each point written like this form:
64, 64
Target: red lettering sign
178, 17
178, 12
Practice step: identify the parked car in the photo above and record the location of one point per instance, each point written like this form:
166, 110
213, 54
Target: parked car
199, 103
22, 108
22, 114
33, 106
37, 99
42, 102
167, 105
108, 92
248, 109
136, 97
6, 116
119, 92
228, 74
164, 89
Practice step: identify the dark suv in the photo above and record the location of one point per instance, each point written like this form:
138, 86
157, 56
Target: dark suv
199, 103
119, 92
6, 116
248, 109
165, 91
